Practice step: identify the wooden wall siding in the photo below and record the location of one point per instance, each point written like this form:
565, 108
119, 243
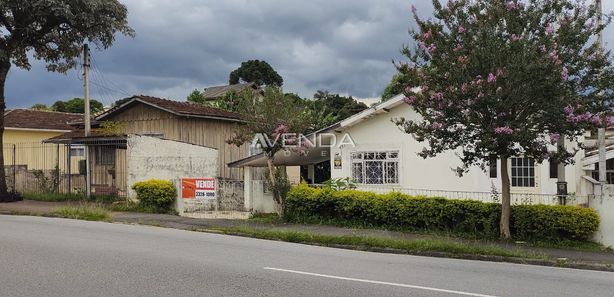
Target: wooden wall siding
214, 133
141, 118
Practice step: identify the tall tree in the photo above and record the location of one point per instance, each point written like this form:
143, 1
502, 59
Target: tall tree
53, 30
258, 72
275, 122
76, 105
506, 78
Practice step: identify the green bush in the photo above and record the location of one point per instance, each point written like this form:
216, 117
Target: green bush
155, 194
404, 212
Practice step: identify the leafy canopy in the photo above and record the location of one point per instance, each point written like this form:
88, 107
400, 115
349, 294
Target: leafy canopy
54, 30
76, 105
499, 78
271, 114
258, 72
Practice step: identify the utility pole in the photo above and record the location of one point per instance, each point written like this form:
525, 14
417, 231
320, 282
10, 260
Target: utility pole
601, 130
86, 105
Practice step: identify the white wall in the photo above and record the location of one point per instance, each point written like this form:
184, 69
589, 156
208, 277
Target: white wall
151, 157
379, 133
604, 205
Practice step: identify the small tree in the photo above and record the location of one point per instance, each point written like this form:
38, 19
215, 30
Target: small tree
53, 31
275, 122
258, 72
498, 79
196, 96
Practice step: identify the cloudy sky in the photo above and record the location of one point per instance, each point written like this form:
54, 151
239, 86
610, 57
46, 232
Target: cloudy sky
344, 46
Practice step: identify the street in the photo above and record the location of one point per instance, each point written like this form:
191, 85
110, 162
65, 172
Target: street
60, 257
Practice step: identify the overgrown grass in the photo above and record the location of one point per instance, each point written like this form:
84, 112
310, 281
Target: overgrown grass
63, 197
135, 206
410, 246
88, 213
268, 218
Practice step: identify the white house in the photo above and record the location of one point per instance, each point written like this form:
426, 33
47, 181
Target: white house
371, 150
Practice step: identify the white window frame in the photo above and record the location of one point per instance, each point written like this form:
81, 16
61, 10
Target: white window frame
520, 173
359, 158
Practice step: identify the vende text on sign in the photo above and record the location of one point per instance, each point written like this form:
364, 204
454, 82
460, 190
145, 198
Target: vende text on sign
198, 188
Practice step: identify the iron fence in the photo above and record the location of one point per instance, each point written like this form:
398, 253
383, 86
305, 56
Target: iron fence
61, 168
516, 198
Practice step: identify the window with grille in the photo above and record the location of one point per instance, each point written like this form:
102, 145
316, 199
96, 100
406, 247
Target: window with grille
375, 168
105, 155
523, 172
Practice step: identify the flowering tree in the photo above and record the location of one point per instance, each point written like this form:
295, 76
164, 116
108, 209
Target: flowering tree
498, 79
275, 122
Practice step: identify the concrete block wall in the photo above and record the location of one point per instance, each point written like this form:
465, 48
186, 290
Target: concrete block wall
151, 157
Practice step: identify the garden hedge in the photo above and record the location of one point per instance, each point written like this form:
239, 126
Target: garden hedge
156, 195
403, 212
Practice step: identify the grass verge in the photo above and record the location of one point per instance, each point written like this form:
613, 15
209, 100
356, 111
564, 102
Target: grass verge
87, 213
419, 246
267, 218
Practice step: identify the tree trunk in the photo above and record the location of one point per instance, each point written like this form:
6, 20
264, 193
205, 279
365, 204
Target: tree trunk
279, 207
5, 65
504, 224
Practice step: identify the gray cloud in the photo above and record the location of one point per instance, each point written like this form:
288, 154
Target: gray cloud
343, 46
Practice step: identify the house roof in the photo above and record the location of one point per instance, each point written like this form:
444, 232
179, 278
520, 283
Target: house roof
315, 154
215, 92
180, 108
39, 120
78, 136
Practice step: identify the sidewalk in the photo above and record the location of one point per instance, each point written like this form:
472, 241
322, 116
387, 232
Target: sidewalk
177, 222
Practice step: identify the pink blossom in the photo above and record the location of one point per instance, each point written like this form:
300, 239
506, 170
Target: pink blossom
413, 8
491, 78
464, 88
514, 37
596, 120
461, 29
499, 90
568, 110
427, 35
550, 29
511, 5
458, 47
436, 125
543, 48
610, 121
499, 72
437, 96
480, 94
432, 48
554, 137
564, 73
505, 130
410, 100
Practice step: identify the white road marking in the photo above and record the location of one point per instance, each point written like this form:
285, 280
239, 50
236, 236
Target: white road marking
380, 282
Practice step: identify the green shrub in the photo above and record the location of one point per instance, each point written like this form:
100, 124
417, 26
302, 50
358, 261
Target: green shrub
155, 194
404, 212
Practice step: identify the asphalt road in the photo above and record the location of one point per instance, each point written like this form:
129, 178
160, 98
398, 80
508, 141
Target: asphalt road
59, 257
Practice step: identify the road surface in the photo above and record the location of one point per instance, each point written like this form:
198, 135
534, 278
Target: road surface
60, 257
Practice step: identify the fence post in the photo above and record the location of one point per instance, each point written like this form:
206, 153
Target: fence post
14, 168
57, 168
69, 169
